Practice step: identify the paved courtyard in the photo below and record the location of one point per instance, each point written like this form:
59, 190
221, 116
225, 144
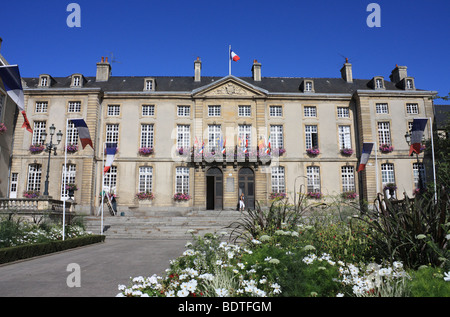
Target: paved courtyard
103, 267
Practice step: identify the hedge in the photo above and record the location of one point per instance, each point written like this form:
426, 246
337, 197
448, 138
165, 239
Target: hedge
21, 252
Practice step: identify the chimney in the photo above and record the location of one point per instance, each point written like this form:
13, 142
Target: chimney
197, 69
103, 70
398, 74
256, 70
346, 71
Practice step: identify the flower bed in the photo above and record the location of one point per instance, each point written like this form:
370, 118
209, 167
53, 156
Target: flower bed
347, 152
146, 150
349, 195
36, 149
72, 148
313, 151
181, 197
71, 187
315, 195
390, 187
145, 196
31, 194
277, 196
386, 148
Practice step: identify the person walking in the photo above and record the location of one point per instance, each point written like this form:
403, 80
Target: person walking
241, 202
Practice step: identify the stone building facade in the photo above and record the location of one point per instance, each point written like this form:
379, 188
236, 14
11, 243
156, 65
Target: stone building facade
204, 116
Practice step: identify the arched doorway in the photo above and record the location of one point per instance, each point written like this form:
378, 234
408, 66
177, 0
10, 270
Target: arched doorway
247, 186
214, 189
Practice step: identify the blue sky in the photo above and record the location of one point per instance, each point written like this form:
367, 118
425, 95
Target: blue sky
289, 38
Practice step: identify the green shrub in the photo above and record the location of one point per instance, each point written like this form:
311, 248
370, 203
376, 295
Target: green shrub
429, 282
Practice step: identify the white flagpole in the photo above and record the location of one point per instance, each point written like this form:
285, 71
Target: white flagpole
103, 185
229, 60
65, 181
434, 165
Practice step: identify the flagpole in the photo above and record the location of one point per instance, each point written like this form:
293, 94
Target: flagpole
229, 60
434, 165
65, 181
103, 185
376, 168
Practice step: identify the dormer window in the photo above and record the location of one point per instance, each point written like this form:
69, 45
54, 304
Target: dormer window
149, 84
378, 83
409, 84
308, 86
45, 81
77, 81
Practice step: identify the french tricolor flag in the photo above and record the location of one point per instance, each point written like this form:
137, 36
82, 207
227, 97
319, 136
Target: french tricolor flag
12, 81
234, 56
83, 132
418, 127
367, 149
111, 149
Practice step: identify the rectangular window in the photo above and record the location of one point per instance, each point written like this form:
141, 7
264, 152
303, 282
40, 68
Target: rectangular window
348, 178
72, 134
149, 84
44, 81
112, 133
308, 86
313, 176
384, 133
147, 135
276, 111
76, 81
382, 108
378, 83
344, 137
311, 136
148, 110
41, 106
278, 183
145, 179
13, 187
183, 136
309, 111
184, 111
244, 111
214, 134
182, 180
34, 177
39, 128
74, 106
343, 112
387, 173
418, 168
276, 136
214, 111
69, 175
113, 110
412, 108
245, 135
110, 180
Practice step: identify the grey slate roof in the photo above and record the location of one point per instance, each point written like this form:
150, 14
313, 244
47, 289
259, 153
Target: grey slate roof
187, 84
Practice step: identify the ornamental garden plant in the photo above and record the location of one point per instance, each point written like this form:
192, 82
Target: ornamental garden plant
306, 249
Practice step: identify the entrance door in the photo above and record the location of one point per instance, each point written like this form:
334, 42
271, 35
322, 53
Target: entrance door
214, 189
247, 186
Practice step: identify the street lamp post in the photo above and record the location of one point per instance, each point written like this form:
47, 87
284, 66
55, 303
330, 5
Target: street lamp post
421, 185
49, 148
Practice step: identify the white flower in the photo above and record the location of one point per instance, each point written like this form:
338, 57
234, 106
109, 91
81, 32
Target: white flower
447, 277
182, 293
339, 295
170, 293
221, 292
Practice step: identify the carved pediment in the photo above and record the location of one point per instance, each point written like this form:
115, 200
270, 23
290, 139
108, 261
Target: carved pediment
231, 87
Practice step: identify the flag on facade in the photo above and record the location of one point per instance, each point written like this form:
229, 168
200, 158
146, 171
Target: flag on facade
201, 149
223, 146
268, 146
12, 81
233, 56
111, 149
418, 127
367, 149
83, 132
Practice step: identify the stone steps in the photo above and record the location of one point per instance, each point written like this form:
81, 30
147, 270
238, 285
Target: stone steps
163, 225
